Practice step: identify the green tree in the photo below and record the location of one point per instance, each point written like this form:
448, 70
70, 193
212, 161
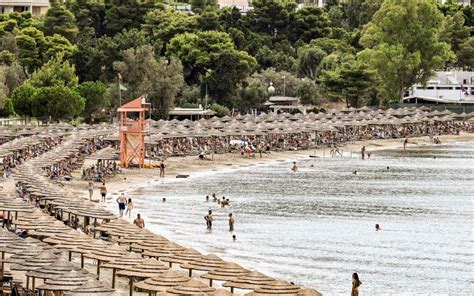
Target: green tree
351, 82
309, 92
200, 53
58, 101
22, 99
252, 94
160, 80
126, 14
199, 6
454, 32
164, 24
402, 44
309, 59
31, 44
466, 54
89, 15
59, 20
56, 72
208, 20
285, 83
94, 94
310, 23
58, 45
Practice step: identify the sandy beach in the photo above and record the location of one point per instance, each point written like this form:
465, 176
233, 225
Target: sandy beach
133, 178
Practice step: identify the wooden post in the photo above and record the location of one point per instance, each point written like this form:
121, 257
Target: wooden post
113, 277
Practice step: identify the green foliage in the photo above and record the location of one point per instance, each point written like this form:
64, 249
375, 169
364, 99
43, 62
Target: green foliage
466, 54
252, 94
22, 99
94, 94
56, 72
59, 20
351, 82
285, 83
454, 32
57, 101
402, 44
309, 60
310, 23
160, 80
210, 57
7, 109
309, 93
219, 109
126, 14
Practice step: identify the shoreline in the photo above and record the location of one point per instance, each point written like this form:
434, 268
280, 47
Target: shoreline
131, 179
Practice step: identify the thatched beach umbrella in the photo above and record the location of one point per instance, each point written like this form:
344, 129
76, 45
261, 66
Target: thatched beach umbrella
129, 260
92, 287
166, 280
276, 288
53, 270
192, 287
309, 292
65, 282
35, 262
205, 263
227, 272
147, 269
250, 281
165, 250
182, 257
104, 255
151, 244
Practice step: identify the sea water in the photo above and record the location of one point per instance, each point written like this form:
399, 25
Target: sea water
315, 227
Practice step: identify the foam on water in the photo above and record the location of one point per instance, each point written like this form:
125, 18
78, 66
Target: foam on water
315, 227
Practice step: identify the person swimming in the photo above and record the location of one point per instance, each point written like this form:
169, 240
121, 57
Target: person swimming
388, 168
377, 227
354, 172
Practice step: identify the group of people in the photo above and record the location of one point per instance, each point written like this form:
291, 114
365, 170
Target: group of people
123, 203
209, 218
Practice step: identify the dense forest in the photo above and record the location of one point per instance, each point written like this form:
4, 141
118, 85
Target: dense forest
72, 61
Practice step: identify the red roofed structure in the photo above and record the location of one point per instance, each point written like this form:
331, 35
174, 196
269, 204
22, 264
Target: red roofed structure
132, 132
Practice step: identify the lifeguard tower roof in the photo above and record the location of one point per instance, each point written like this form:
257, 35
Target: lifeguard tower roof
137, 105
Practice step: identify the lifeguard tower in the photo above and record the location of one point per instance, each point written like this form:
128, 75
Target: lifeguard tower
132, 132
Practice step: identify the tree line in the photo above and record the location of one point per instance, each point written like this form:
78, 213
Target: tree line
68, 62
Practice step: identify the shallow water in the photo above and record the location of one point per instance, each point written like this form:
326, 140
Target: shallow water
315, 227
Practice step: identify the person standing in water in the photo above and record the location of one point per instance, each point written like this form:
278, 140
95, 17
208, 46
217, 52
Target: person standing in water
103, 191
294, 168
129, 208
121, 200
362, 152
90, 187
377, 227
355, 284
162, 169
231, 222
139, 221
405, 143
209, 219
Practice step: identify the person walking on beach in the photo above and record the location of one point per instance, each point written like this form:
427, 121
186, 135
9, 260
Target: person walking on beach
209, 219
405, 143
121, 200
103, 191
231, 222
90, 187
139, 221
129, 208
362, 152
355, 284
162, 169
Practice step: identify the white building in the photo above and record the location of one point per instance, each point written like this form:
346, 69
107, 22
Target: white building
461, 2
36, 7
445, 87
242, 5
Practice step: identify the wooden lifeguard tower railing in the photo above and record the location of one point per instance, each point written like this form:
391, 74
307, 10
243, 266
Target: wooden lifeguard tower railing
132, 132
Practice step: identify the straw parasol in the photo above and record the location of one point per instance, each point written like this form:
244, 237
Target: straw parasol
166, 280
227, 272
129, 260
165, 250
35, 262
192, 287
106, 254
276, 287
148, 268
53, 270
309, 292
65, 282
205, 263
250, 281
182, 257
150, 244
92, 287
